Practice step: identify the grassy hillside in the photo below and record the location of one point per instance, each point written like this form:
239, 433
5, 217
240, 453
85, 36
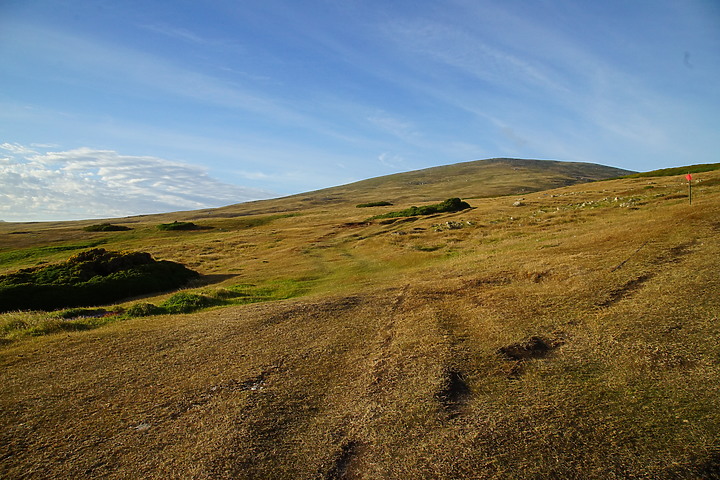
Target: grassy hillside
569, 333
476, 179
674, 171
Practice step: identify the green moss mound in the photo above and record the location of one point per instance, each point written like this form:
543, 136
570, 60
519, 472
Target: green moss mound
449, 205
106, 227
93, 277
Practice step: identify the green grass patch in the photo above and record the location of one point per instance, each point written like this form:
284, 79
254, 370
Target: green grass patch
25, 254
185, 302
241, 294
93, 277
266, 292
449, 205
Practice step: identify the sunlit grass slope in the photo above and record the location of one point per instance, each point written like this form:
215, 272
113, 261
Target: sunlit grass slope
567, 333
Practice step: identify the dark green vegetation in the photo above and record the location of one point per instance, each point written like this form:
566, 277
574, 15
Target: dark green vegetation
184, 302
570, 333
668, 172
93, 277
448, 206
144, 309
106, 227
179, 226
373, 204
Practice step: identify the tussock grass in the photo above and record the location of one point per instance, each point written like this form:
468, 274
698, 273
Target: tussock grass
18, 325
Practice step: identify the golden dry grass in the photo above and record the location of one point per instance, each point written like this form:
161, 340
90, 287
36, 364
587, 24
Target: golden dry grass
392, 365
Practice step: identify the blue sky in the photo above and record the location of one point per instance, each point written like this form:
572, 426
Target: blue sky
112, 108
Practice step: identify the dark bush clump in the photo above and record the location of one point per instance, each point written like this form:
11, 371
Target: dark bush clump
106, 227
449, 205
180, 226
144, 310
92, 277
373, 204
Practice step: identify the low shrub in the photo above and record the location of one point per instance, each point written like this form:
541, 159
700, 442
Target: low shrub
106, 227
449, 205
174, 226
186, 302
143, 310
373, 204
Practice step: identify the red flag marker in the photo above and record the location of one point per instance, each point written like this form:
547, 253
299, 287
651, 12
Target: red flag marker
689, 177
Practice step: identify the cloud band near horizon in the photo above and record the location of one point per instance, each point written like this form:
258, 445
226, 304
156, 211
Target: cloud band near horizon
83, 183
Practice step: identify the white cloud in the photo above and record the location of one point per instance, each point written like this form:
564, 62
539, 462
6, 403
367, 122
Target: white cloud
87, 183
16, 148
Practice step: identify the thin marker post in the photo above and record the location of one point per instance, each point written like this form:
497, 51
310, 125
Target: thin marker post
689, 179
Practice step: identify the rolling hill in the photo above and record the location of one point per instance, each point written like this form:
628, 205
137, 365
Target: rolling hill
560, 328
476, 179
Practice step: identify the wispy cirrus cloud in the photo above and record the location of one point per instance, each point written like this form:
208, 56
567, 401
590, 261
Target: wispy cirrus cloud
85, 183
470, 52
180, 33
121, 69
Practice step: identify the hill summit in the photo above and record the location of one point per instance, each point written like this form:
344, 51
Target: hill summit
475, 179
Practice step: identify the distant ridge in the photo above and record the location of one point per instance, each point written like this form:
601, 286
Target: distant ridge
475, 179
